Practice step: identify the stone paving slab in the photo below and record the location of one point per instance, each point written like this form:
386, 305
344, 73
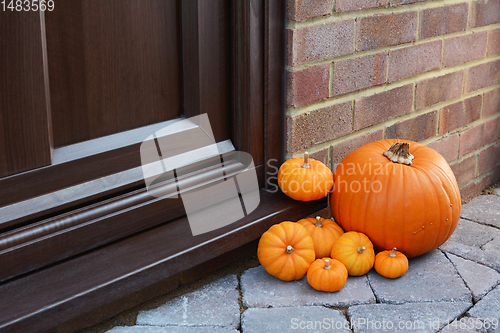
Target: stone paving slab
296, 319
171, 329
478, 278
488, 308
473, 233
215, 304
476, 242
430, 277
464, 325
262, 290
484, 209
408, 317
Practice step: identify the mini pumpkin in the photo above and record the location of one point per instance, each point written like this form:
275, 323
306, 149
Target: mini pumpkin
355, 251
327, 275
324, 233
286, 251
399, 193
305, 179
391, 263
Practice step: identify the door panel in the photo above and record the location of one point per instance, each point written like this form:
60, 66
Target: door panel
114, 65
206, 62
24, 124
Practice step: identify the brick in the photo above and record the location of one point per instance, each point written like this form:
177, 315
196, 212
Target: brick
321, 156
465, 170
439, 89
415, 129
350, 5
493, 42
447, 147
491, 102
489, 158
298, 10
478, 136
459, 114
377, 108
413, 60
476, 187
318, 126
386, 30
405, 2
443, 20
307, 85
481, 76
484, 12
359, 73
320, 41
466, 48
341, 150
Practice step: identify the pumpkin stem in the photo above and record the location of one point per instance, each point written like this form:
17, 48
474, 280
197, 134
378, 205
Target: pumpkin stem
393, 253
361, 249
289, 249
318, 222
306, 161
400, 153
327, 264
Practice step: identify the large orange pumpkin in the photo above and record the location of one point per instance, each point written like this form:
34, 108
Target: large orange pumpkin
399, 193
305, 179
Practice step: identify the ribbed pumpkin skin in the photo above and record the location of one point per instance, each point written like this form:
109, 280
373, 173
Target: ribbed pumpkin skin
345, 250
303, 184
414, 208
332, 279
323, 237
391, 267
273, 256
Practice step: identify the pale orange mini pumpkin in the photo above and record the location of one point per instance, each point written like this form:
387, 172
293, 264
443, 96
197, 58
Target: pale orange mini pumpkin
355, 251
324, 233
305, 179
327, 275
391, 263
399, 193
286, 251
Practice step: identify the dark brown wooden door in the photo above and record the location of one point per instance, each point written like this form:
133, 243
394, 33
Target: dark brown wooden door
103, 67
81, 87
91, 80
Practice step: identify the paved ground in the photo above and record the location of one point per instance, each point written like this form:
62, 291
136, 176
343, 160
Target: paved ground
461, 280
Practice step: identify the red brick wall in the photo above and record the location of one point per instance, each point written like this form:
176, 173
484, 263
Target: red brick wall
428, 71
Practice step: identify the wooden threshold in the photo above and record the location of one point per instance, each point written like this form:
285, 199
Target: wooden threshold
56, 294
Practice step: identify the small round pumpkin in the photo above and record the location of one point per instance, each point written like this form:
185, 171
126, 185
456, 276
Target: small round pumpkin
399, 193
391, 263
324, 233
355, 251
286, 251
305, 179
327, 275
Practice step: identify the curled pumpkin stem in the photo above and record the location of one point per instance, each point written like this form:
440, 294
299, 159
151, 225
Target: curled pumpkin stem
306, 161
289, 249
327, 264
400, 153
318, 222
361, 249
393, 253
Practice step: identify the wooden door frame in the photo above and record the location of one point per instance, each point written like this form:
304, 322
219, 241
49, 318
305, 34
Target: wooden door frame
122, 265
